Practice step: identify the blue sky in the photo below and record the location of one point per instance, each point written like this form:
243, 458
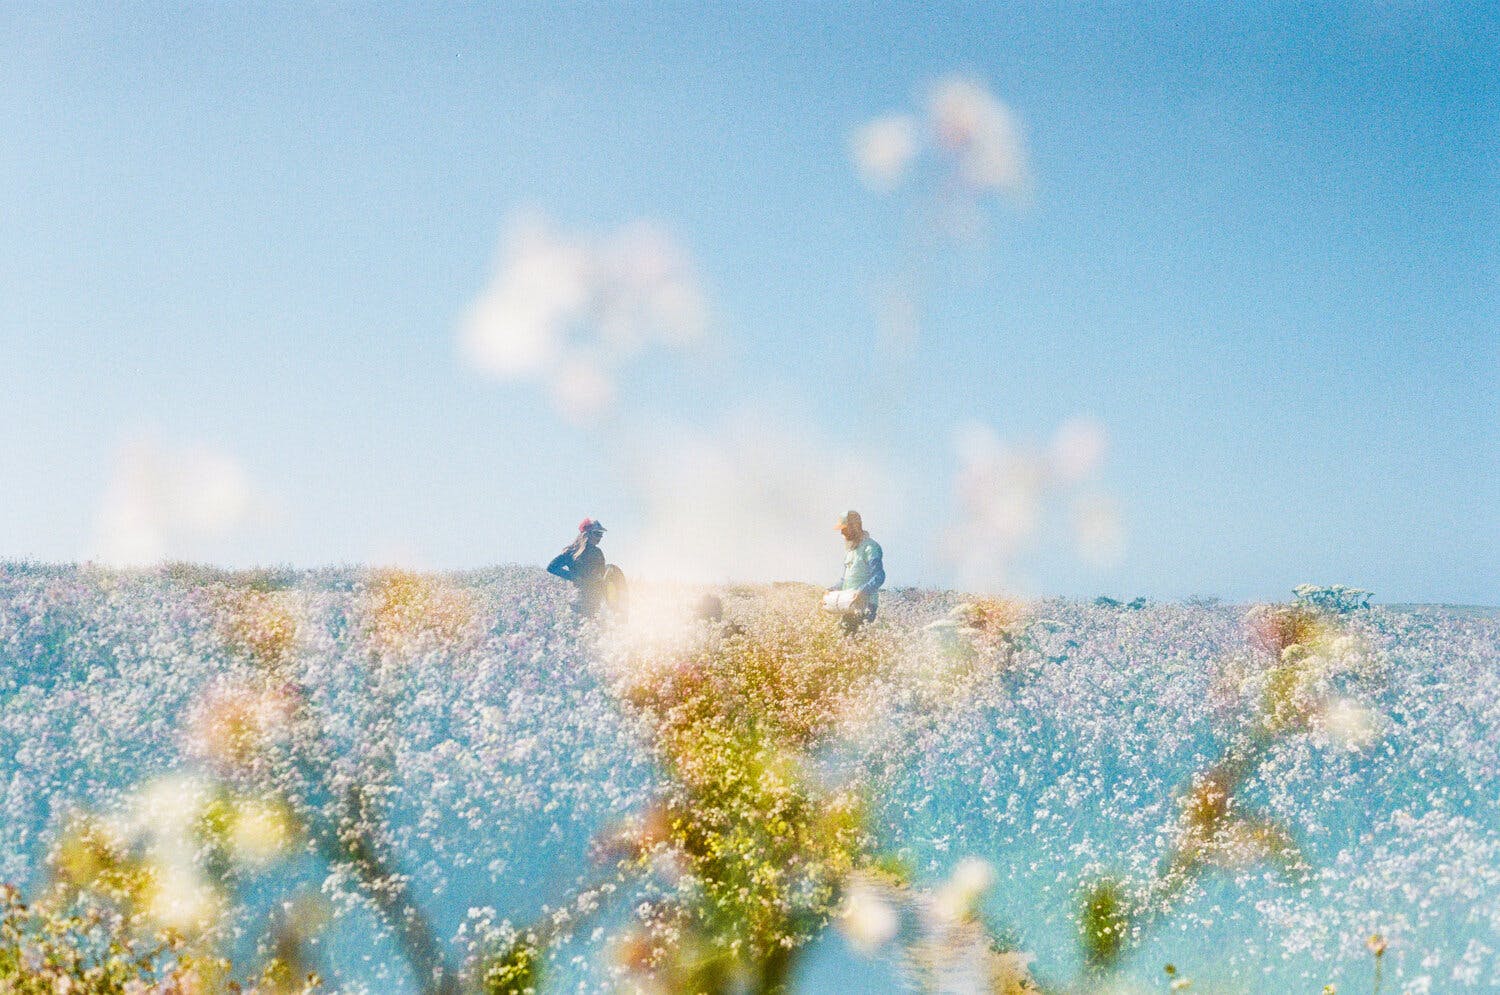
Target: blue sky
1259, 248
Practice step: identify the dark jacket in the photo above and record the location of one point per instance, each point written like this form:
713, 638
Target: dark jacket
586, 569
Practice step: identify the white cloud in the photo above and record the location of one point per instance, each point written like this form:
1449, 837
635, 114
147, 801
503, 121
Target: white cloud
755, 498
160, 501
568, 311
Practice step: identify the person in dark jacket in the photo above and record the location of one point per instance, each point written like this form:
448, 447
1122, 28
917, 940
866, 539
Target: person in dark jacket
582, 563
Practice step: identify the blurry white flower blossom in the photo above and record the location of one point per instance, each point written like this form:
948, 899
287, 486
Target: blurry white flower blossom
753, 497
962, 147
1098, 531
980, 133
868, 918
998, 491
1078, 448
168, 805
261, 831
582, 388
179, 898
884, 148
974, 136
158, 499
1004, 494
568, 310
958, 897
646, 288
1350, 724
541, 284
999, 486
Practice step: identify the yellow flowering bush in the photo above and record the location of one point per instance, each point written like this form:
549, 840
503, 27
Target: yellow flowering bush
759, 849
407, 612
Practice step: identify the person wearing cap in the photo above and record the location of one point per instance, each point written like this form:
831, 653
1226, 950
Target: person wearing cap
582, 563
864, 571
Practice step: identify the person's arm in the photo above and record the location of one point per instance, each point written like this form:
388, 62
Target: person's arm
877, 573
562, 565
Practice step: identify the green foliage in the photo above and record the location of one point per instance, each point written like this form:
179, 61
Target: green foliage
1334, 598
1105, 601
260, 579
515, 970
84, 950
765, 849
1103, 923
892, 868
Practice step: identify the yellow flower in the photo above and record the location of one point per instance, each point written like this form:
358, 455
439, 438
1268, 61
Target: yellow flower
260, 624
261, 831
178, 898
409, 612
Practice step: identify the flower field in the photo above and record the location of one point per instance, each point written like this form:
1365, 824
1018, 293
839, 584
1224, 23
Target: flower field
371, 780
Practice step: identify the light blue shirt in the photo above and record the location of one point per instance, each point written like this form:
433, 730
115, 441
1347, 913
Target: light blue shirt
864, 570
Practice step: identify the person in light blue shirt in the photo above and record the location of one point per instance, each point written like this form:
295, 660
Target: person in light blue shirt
864, 571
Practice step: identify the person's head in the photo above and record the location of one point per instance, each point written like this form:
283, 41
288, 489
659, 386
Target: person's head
851, 526
590, 532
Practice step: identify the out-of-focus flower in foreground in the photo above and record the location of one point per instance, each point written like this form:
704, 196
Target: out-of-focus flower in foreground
1005, 494
979, 132
161, 501
234, 722
971, 136
261, 831
958, 897
1351, 724
569, 311
884, 148
179, 898
781, 477
868, 918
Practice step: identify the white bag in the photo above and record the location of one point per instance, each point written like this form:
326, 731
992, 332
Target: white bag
840, 602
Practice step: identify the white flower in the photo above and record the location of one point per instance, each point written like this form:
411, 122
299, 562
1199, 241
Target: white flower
261, 832
867, 919
884, 149
568, 310
980, 132
1350, 724
957, 897
1078, 447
